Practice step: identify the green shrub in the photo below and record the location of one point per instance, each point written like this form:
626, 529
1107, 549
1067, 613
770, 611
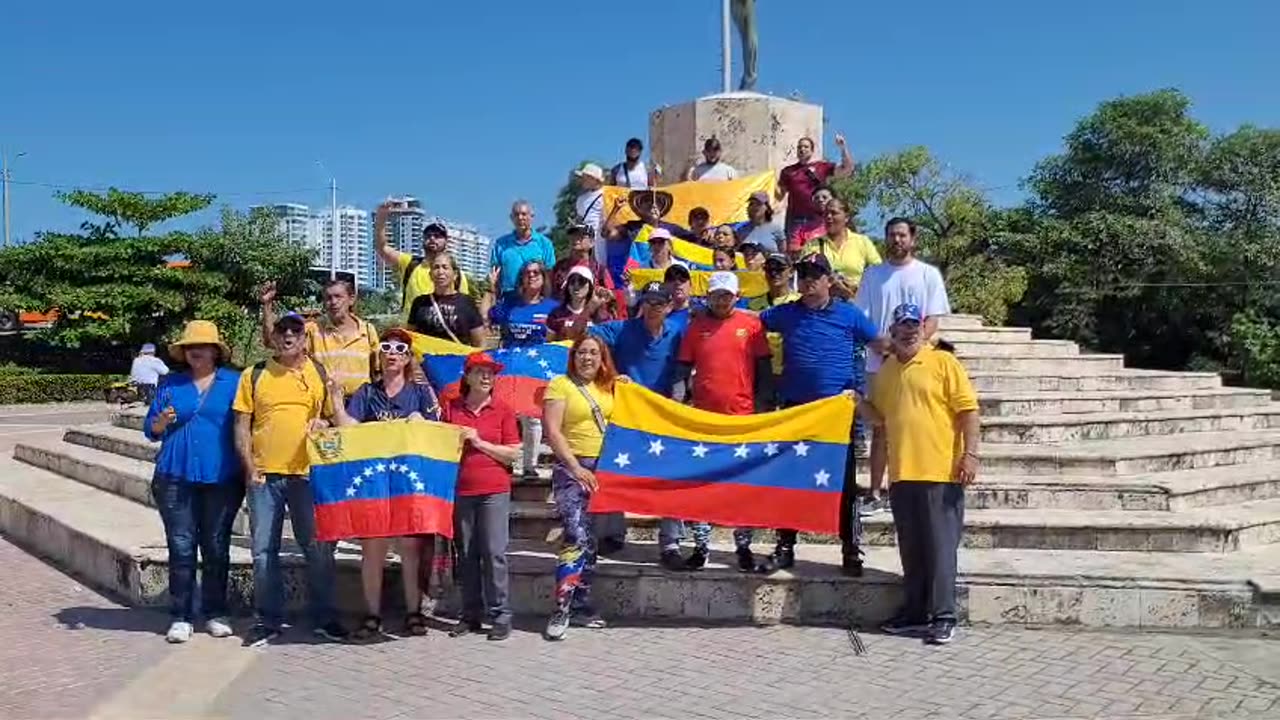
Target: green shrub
20, 389
11, 369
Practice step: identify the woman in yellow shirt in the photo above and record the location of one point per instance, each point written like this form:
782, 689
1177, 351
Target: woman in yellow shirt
575, 412
848, 252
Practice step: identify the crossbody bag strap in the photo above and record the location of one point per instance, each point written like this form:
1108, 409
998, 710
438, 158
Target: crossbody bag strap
444, 323
596, 412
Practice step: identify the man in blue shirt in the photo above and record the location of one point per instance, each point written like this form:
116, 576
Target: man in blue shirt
819, 334
646, 349
510, 252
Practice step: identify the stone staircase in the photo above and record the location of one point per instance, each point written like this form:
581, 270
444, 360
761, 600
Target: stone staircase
1109, 497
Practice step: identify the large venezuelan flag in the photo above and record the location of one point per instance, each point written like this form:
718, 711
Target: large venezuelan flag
384, 479
521, 382
782, 469
725, 201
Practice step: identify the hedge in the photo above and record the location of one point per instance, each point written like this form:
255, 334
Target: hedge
21, 389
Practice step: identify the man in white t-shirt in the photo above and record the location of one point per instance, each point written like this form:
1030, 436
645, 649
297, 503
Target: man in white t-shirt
631, 173
588, 207
900, 279
712, 169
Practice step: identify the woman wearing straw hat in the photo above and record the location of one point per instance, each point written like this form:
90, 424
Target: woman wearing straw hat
197, 484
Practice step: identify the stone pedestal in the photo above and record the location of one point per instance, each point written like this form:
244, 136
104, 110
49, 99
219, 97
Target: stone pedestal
756, 132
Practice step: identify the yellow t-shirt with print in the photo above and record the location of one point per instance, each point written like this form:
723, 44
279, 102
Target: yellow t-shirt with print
855, 256
579, 428
283, 405
919, 401
420, 282
762, 303
347, 360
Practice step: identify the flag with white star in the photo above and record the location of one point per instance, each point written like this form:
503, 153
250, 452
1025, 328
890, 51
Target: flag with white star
384, 479
524, 377
783, 469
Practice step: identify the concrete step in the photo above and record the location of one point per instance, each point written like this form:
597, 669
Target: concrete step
986, 334
113, 439
130, 419
1014, 404
948, 322
1030, 430
1004, 348
1131, 456
1215, 530
1068, 379
118, 547
1036, 365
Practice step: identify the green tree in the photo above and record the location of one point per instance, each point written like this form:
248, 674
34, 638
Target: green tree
134, 208
373, 303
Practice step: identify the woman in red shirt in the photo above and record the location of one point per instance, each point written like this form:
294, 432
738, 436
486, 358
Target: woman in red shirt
483, 498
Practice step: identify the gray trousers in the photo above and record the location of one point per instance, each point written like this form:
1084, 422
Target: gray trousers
929, 518
481, 533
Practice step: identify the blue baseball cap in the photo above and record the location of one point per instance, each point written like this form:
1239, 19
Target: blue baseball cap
907, 312
148, 348
290, 318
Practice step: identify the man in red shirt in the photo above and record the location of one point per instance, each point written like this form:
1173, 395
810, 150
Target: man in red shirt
728, 354
798, 182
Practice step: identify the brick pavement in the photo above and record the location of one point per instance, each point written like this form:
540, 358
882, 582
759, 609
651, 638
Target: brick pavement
49, 670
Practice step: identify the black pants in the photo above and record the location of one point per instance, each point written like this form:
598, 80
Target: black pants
848, 496
929, 517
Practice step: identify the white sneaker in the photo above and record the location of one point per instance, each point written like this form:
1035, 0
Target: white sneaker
219, 627
179, 632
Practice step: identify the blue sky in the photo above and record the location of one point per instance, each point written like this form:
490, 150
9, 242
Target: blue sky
471, 105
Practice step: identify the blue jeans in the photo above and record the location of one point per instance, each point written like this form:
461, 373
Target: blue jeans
197, 516
267, 502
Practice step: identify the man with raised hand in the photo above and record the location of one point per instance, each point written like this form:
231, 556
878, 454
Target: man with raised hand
925, 403
413, 271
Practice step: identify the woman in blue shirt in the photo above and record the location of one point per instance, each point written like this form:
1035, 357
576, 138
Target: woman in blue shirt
521, 315
395, 396
197, 484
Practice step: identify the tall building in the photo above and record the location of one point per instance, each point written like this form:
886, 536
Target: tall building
404, 233
354, 246
296, 222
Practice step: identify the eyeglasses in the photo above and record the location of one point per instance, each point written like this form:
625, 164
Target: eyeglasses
394, 347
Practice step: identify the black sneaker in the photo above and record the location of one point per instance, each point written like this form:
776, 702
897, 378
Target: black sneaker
467, 627
784, 558
851, 563
499, 632
697, 560
259, 635
902, 625
672, 560
332, 631
941, 632
746, 560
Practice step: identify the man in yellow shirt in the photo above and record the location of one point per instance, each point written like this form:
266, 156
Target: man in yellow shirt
924, 401
277, 404
412, 272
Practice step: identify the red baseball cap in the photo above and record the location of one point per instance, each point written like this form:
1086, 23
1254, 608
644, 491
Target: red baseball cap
481, 359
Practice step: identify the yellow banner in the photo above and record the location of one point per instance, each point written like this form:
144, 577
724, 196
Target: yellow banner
725, 201
750, 283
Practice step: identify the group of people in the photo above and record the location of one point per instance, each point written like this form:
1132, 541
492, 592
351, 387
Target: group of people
836, 318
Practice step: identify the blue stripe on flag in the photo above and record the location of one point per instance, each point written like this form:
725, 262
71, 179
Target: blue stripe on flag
381, 478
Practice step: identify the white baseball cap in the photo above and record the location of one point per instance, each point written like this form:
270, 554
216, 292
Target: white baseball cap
591, 170
723, 281
582, 272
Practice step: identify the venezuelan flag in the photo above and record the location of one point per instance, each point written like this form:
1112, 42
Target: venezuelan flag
697, 257
781, 469
725, 201
520, 384
384, 479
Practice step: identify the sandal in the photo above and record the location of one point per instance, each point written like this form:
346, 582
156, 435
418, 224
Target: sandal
415, 623
370, 628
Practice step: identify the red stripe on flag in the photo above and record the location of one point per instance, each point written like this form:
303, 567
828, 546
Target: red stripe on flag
520, 392
719, 503
387, 517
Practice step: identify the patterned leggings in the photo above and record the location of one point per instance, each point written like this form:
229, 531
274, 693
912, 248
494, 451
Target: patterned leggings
576, 560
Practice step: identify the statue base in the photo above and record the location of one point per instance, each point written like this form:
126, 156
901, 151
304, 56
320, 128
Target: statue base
757, 133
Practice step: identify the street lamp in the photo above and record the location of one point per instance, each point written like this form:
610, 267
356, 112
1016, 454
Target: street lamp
4, 180
333, 222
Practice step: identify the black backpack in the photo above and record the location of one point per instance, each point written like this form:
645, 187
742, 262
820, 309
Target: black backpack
414, 263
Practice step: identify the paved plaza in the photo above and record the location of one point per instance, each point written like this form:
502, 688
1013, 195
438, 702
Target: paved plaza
68, 652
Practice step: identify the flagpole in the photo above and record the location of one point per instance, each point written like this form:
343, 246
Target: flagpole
726, 48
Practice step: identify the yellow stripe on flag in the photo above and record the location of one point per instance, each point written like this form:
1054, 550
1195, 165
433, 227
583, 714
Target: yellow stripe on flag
726, 201
751, 283
827, 420
365, 441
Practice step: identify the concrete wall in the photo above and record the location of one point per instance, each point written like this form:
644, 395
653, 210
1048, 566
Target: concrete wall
757, 132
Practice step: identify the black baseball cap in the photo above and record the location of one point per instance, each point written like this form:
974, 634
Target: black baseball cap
655, 291
812, 262
750, 248
435, 229
635, 143
677, 273
711, 144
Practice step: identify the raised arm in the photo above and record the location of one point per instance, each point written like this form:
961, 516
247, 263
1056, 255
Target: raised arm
268, 297
612, 228
845, 168
389, 255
